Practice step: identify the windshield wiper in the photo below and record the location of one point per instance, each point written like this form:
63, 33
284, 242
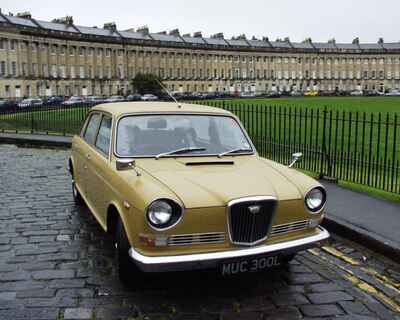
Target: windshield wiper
178, 151
234, 151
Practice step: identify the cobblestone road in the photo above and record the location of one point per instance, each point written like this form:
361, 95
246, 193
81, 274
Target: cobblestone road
56, 263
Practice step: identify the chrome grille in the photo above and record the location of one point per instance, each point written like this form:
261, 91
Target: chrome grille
197, 238
289, 227
250, 219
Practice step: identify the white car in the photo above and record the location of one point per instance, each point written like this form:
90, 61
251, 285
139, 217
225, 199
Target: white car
115, 99
356, 93
393, 93
149, 97
31, 102
74, 100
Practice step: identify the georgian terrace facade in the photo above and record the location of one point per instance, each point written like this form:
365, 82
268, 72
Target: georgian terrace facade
40, 58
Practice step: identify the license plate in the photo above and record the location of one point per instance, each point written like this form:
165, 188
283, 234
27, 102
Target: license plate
249, 265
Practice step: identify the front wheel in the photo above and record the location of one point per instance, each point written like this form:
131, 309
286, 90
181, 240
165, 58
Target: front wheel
127, 270
76, 194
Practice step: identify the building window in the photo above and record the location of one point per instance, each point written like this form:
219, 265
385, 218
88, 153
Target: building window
81, 51
14, 68
82, 72
34, 69
72, 72
45, 70
71, 51
24, 69
3, 68
2, 44
54, 71
62, 71
12, 44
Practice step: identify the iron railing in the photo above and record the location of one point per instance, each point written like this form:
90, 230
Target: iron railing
358, 147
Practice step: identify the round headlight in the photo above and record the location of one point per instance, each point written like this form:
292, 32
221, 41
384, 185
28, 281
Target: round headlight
315, 199
163, 213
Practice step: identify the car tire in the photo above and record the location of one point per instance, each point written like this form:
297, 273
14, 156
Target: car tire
76, 194
128, 272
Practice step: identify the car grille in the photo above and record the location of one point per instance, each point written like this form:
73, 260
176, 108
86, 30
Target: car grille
289, 227
250, 219
197, 238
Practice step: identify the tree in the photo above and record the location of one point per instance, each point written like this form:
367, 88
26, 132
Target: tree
147, 83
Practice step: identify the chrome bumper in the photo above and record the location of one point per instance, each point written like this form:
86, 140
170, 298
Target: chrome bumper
211, 260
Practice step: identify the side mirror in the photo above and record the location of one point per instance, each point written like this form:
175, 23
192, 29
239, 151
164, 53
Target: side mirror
127, 164
296, 157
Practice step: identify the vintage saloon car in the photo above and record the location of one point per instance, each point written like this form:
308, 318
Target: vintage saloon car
181, 187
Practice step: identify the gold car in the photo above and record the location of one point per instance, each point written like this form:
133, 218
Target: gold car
311, 93
181, 187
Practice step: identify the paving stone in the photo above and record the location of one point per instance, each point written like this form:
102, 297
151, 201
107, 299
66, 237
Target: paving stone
354, 307
242, 316
329, 297
43, 293
67, 283
77, 313
53, 274
289, 299
29, 313
8, 295
321, 310
63, 237
14, 276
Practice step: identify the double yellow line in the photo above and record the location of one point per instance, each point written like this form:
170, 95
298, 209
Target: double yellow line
364, 286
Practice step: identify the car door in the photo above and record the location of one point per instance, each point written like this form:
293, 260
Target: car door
99, 169
83, 151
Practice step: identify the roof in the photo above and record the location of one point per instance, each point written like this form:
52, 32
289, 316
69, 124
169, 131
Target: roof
165, 37
56, 26
121, 108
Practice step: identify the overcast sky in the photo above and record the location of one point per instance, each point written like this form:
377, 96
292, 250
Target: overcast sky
319, 19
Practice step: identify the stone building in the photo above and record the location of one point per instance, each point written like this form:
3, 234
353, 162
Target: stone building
39, 58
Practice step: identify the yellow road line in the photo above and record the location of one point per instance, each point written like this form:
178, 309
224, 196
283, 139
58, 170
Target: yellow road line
364, 286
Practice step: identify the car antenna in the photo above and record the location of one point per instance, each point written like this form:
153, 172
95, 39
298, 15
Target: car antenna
169, 93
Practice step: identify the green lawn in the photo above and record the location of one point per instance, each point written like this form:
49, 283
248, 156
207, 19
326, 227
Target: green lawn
353, 104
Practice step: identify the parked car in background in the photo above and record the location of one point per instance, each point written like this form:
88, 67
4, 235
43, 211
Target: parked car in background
54, 100
93, 100
296, 93
134, 97
393, 93
247, 94
7, 105
357, 93
30, 102
149, 97
271, 94
74, 100
183, 188
115, 99
311, 93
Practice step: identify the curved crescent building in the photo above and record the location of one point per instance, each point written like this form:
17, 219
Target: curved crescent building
39, 58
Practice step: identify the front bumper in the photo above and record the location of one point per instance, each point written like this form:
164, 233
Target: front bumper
212, 260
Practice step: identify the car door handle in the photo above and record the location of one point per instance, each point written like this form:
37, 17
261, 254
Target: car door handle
88, 156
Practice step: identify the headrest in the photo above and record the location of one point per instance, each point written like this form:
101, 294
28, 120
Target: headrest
157, 124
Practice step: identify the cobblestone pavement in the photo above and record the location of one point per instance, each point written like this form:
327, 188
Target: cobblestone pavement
56, 263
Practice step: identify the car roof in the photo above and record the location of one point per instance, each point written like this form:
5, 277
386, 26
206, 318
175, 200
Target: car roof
121, 108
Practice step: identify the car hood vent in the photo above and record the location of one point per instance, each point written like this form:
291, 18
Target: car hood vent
210, 163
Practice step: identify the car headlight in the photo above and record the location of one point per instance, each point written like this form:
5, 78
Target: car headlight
315, 199
163, 214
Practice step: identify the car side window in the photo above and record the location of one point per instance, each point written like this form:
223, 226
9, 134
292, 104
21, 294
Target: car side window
104, 136
91, 128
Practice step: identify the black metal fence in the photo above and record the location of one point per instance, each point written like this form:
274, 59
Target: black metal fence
358, 147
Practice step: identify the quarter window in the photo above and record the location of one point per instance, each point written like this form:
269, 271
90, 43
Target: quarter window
91, 129
103, 138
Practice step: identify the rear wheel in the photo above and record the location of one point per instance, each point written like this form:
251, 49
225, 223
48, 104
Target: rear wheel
127, 270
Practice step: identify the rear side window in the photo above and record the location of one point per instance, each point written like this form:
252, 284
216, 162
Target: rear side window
91, 128
104, 136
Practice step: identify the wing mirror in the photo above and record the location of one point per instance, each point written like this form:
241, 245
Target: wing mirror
127, 164
296, 157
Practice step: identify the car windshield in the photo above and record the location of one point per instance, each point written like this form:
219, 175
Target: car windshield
148, 136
